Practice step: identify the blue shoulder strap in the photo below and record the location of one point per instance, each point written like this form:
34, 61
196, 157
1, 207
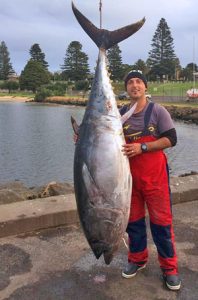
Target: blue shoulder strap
123, 109
147, 115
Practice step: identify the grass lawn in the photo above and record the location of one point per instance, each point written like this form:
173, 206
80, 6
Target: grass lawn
169, 89
155, 89
162, 89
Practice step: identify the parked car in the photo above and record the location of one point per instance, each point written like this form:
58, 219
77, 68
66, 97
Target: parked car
123, 96
148, 96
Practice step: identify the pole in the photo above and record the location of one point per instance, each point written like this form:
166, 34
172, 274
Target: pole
193, 64
100, 9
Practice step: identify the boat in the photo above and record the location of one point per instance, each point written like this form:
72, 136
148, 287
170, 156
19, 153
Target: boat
192, 93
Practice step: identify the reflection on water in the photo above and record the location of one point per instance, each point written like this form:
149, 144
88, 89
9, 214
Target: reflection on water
36, 144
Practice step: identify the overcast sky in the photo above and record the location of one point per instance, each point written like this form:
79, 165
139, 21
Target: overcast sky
52, 25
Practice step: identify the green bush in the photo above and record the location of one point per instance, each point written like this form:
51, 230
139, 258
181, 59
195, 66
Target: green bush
42, 94
82, 85
59, 92
57, 89
9, 85
58, 86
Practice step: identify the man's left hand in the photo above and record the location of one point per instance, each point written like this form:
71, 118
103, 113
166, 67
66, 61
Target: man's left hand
131, 150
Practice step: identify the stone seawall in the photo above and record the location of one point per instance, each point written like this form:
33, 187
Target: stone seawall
57, 207
187, 114
175, 99
181, 111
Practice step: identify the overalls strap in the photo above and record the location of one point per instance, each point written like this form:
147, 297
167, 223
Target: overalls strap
147, 117
123, 109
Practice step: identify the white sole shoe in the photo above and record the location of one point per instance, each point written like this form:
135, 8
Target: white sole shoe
128, 276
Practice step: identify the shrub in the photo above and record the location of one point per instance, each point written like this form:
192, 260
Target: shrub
82, 85
42, 94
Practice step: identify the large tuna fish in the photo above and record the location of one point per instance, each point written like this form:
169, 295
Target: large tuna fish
102, 178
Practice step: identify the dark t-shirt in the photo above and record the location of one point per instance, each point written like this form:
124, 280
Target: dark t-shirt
160, 121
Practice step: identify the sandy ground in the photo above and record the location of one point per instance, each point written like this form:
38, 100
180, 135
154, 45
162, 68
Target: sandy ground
15, 99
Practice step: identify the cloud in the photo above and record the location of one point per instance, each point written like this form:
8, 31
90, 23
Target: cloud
53, 25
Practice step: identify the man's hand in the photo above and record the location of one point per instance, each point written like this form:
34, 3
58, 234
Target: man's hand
75, 138
134, 149
131, 150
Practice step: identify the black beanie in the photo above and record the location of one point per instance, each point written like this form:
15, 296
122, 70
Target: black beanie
135, 74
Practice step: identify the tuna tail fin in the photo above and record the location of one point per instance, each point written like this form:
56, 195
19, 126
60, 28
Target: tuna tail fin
104, 38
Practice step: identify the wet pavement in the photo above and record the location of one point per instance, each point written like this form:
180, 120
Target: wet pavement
57, 264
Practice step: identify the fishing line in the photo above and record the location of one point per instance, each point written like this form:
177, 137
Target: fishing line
125, 243
100, 10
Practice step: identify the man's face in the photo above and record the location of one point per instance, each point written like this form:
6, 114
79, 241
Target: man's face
136, 88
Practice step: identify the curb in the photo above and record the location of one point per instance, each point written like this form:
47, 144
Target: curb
32, 215
184, 189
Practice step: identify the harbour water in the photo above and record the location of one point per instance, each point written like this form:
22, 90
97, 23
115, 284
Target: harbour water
36, 144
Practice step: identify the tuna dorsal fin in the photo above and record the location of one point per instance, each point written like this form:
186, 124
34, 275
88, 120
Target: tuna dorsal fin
104, 38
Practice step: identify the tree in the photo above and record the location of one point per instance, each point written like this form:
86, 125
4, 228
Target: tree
5, 64
37, 55
33, 76
126, 69
75, 65
56, 76
187, 72
115, 63
162, 58
11, 85
140, 65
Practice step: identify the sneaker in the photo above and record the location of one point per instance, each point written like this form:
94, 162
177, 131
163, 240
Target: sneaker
173, 282
131, 270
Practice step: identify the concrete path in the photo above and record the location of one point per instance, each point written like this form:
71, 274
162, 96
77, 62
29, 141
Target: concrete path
44, 254
57, 264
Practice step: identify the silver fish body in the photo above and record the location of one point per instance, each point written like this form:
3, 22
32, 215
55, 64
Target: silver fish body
102, 178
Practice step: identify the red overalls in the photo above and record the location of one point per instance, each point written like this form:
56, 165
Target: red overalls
151, 186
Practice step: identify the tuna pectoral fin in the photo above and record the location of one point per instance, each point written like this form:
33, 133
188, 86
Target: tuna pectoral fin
90, 185
105, 38
74, 125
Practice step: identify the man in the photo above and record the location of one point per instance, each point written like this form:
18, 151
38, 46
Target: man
148, 131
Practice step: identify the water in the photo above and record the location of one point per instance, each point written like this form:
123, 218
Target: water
36, 144
183, 157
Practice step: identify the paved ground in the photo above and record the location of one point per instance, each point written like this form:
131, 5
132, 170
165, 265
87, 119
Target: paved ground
57, 264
